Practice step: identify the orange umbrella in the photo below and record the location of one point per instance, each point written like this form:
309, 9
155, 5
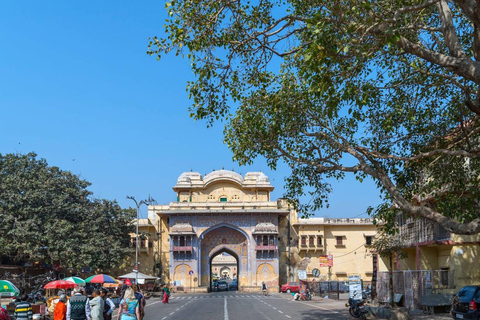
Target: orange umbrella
60, 284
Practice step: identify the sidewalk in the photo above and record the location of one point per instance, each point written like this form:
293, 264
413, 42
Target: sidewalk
339, 305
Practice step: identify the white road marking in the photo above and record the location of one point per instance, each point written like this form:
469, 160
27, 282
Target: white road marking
280, 311
164, 318
274, 308
287, 316
226, 310
172, 313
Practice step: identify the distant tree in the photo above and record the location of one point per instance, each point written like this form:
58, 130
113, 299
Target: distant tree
47, 214
381, 89
389, 247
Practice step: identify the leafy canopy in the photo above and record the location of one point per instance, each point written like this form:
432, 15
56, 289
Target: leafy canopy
384, 89
47, 214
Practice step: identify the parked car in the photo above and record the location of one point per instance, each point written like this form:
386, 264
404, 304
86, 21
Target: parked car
466, 303
290, 287
222, 285
214, 284
233, 285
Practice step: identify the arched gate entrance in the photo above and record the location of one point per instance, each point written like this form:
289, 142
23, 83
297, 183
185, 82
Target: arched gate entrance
220, 239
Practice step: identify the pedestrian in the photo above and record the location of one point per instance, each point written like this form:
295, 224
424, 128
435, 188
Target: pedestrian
78, 307
4, 314
52, 302
166, 293
129, 308
264, 288
141, 300
23, 310
97, 305
109, 305
60, 311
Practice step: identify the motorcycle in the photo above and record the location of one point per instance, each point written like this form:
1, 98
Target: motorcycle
356, 308
306, 296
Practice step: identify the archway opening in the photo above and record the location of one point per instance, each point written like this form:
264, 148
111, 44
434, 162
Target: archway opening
224, 270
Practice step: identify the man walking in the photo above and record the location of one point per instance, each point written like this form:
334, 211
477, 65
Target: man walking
78, 307
109, 305
23, 310
141, 300
97, 305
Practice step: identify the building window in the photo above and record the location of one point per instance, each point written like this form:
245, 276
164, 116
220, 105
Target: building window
223, 199
265, 240
271, 241
444, 277
319, 241
339, 240
304, 241
368, 240
311, 241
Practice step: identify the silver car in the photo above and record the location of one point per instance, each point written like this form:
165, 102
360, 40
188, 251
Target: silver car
222, 285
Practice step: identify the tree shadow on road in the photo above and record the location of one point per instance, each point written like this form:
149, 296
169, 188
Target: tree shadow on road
324, 315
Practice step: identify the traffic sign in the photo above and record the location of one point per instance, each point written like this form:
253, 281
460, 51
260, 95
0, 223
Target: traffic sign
190, 272
316, 273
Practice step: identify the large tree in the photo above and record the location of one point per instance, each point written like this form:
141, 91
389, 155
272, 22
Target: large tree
47, 214
384, 89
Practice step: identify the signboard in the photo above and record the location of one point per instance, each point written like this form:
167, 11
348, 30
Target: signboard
141, 281
325, 260
86, 270
302, 274
316, 273
190, 272
355, 287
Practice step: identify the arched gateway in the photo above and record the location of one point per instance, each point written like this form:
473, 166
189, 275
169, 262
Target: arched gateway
221, 212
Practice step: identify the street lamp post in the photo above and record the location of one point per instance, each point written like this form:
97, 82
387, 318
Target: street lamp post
138, 204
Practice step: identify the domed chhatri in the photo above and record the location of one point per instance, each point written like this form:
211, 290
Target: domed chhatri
223, 175
195, 179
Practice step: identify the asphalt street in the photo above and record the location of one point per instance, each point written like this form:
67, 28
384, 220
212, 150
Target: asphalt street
232, 305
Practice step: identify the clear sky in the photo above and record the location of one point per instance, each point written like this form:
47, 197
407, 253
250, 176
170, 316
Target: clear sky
77, 88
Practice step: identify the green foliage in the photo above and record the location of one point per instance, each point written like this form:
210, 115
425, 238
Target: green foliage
379, 89
48, 214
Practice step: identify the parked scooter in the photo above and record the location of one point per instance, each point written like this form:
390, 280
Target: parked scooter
356, 308
306, 296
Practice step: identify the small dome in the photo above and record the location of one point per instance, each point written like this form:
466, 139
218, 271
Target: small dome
262, 178
186, 177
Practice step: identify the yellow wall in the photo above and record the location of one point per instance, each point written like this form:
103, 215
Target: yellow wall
351, 258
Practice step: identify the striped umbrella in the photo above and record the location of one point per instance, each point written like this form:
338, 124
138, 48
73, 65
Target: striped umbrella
8, 289
100, 278
76, 280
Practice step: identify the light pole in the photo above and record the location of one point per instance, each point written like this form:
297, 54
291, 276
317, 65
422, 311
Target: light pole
138, 204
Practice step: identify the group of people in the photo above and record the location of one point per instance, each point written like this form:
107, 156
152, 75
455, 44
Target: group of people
79, 306
100, 307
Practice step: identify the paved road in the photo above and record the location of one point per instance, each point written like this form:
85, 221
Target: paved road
241, 306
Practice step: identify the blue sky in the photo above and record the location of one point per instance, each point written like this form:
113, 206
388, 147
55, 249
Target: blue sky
77, 88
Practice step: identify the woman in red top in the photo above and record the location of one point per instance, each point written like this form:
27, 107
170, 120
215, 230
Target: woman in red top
4, 314
61, 309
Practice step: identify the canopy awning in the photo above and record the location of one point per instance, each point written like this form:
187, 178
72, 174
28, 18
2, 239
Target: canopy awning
182, 229
265, 228
137, 275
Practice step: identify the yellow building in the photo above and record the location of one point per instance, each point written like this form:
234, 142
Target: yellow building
453, 259
342, 243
